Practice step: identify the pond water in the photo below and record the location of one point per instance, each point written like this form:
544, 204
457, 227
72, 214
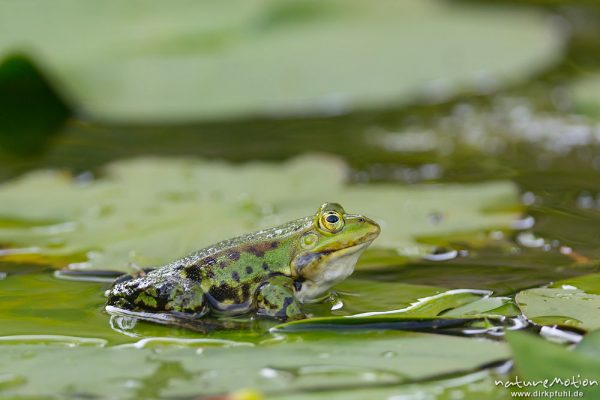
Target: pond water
57, 340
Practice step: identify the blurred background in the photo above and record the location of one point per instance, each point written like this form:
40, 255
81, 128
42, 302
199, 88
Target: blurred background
409, 85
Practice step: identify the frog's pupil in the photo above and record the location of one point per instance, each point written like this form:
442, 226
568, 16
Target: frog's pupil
332, 219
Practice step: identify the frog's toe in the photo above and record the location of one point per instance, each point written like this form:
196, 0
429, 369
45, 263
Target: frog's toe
190, 300
276, 300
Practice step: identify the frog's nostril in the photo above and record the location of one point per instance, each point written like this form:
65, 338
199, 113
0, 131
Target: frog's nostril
361, 220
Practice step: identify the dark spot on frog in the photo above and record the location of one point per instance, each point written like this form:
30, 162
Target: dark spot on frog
222, 265
209, 261
239, 297
235, 276
194, 273
260, 249
265, 266
256, 251
249, 269
222, 292
245, 290
165, 295
269, 305
234, 255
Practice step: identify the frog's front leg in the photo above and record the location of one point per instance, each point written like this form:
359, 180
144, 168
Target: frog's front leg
275, 299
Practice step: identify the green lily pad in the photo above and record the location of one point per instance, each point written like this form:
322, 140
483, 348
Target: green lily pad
588, 283
427, 313
196, 60
356, 296
586, 96
151, 211
372, 323
486, 307
590, 345
325, 364
565, 307
476, 386
537, 361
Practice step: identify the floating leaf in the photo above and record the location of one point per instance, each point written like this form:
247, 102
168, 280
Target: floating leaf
189, 60
586, 96
151, 211
422, 314
376, 322
590, 345
588, 283
537, 361
476, 386
486, 306
565, 307
356, 296
323, 364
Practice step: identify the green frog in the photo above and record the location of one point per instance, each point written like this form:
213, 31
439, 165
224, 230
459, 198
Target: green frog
270, 272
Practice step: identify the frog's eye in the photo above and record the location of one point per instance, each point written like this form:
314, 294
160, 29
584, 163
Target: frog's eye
331, 221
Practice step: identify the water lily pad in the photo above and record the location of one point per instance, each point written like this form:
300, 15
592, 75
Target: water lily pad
476, 386
355, 296
537, 361
151, 211
590, 345
588, 283
586, 96
398, 322
426, 313
325, 364
486, 307
565, 307
188, 60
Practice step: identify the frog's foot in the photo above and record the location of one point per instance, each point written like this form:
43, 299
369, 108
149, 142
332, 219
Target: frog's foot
275, 299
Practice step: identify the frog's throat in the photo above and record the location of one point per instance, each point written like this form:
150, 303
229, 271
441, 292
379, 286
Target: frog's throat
334, 269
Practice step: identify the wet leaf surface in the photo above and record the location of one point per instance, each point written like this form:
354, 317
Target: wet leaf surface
564, 307
590, 345
303, 364
537, 361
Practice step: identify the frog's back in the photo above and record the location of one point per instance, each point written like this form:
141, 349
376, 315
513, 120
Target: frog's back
222, 277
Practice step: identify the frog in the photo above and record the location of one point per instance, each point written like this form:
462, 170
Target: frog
270, 273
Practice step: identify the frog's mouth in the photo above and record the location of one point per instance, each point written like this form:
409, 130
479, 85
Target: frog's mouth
327, 270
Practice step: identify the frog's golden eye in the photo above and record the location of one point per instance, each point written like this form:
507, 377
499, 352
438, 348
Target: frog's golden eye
331, 221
